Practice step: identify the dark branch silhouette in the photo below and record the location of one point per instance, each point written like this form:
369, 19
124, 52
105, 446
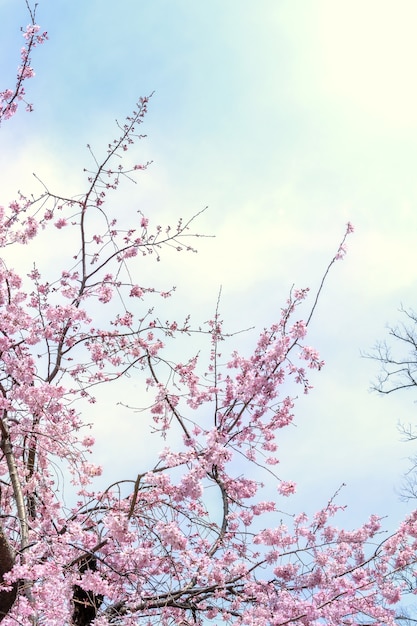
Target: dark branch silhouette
86, 603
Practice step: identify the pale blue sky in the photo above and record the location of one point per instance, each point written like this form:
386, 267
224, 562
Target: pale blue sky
287, 118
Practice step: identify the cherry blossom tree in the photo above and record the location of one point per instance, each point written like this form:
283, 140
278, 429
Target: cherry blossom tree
189, 539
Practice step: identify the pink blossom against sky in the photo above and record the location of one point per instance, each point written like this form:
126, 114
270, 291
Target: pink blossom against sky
287, 120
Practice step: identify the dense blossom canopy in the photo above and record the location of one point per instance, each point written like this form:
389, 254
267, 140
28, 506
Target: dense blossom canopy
154, 549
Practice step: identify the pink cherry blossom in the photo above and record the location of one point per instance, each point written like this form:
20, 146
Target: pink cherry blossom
10, 98
286, 488
191, 537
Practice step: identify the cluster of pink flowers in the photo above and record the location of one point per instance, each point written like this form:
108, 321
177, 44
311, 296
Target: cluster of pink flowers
286, 488
10, 98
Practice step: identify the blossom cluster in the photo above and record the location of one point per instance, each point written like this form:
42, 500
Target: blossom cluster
10, 98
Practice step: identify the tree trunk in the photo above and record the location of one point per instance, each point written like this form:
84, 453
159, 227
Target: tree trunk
7, 598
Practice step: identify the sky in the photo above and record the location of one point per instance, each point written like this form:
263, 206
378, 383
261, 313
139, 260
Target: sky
286, 119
